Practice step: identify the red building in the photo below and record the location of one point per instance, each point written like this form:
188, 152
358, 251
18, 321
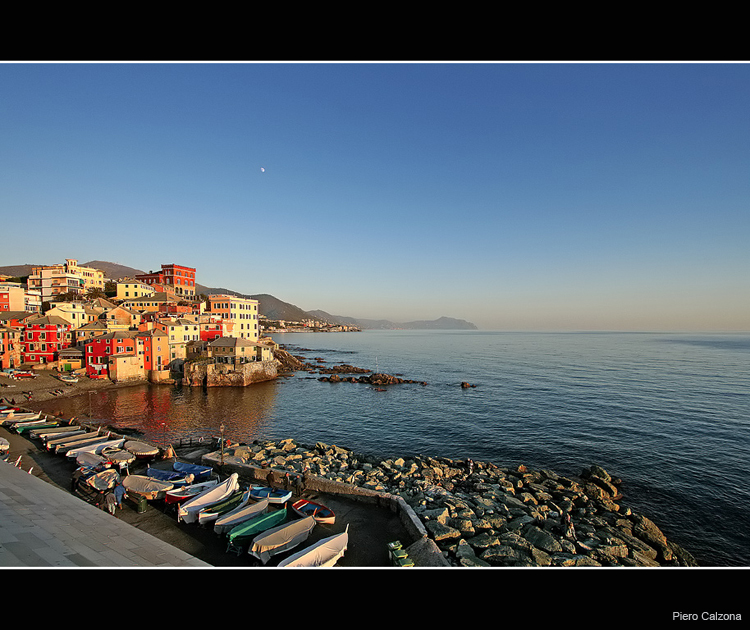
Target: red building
179, 278
99, 349
44, 337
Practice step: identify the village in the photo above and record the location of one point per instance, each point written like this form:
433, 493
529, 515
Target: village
71, 321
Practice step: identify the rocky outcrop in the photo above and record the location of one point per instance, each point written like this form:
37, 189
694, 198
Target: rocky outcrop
482, 515
206, 374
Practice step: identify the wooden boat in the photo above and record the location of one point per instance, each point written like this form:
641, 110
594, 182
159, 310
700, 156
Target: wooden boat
25, 427
235, 500
274, 495
200, 473
226, 522
59, 431
95, 447
188, 511
281, 538
243, 533
322, 514
66, 378
147, 487
183, 493
324, 553
50, 441
141, 450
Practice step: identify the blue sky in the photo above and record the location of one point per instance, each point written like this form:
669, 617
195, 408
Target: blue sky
517, 196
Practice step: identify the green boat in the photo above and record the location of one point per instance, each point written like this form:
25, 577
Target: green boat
39, 425
245, 532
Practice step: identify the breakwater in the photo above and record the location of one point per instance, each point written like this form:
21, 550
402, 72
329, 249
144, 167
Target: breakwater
479, 514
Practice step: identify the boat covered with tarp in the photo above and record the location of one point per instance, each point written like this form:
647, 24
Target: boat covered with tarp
200, 473
324, 553
242, 534
188, 511
174, 477
141, 450
95, 447
4, 446
281, 538
237, 499
183, 493
146, 486
104, 480
226, 522
118, 456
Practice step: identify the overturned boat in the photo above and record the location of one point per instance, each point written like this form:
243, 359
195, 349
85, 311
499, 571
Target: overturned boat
324, 553
188, 511
282, 538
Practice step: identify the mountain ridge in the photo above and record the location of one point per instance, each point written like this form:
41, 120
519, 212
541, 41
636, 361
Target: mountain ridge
269, 305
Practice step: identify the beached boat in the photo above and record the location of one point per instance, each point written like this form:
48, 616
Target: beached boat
141, 450
172, 476
51, 441
25, 427
226, 522
95, 447
147, 487
15, 418
76, 444
274, 495
67, 378
91, 460
322, 514
118, 457
104, 480
188, 511
324, 553
60, 431
200, 473
242, 534
235, 500
4, 446
281, 538
183, 493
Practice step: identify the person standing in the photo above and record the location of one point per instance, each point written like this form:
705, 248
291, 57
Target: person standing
120, 494
270, 479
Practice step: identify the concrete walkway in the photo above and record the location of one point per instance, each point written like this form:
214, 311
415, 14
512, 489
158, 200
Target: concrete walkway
43, 526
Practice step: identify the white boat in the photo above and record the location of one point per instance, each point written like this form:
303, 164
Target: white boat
281, 538
188, 511
183, 493
15, 418
324, 553
61, 437
210, 515
104, 480
239, 515
146, 486
94, 439
48, 433
91, 460
96, 447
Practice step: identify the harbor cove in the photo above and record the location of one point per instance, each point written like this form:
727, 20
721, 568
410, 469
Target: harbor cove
511, 449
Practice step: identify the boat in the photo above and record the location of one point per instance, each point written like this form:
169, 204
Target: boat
141, 450
324, 553
67, 378
274, 495
24, 427
4, 446
60, 431
15, 418
103, 480
91, 460
281, 538
243, 533
183, 493
77, 444
228, 521
323, 515
118, 457
174, 477
95, 447
235, 500
188, 511
146, 486
49, 441
200, 473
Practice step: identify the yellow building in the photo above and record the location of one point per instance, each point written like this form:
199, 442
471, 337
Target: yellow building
129, 289
241, 315
67, 277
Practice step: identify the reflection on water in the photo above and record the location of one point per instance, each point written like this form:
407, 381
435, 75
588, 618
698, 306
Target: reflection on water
166, 413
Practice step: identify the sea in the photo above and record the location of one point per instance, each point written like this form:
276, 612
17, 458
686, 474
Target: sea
667, 413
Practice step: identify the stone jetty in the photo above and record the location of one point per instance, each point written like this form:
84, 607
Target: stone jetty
482, 515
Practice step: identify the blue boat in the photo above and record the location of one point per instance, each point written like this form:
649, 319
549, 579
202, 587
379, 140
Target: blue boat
200, 473
274, 495
170, 476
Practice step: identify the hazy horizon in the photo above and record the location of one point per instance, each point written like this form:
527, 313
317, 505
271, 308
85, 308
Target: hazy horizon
520, 196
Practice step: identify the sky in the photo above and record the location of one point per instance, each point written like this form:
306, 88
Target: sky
516, 196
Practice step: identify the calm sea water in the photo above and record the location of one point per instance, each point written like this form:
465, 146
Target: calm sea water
669, 413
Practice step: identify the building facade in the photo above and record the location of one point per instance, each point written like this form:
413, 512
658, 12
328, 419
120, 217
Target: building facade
239, 314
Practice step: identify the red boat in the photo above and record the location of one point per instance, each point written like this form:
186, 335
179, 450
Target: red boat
322, 514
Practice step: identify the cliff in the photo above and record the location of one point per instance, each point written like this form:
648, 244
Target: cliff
207, 374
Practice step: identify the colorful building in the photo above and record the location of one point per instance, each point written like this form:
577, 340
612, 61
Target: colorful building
68, 277
44, 337
99, 349
240, 315
178, 277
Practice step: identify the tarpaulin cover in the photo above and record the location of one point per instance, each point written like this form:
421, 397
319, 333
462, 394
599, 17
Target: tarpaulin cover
104, 480
242, 532
141, 448
281, 538
324, 553
90, 460
188, 511
118, 456
150, 488
239, 515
